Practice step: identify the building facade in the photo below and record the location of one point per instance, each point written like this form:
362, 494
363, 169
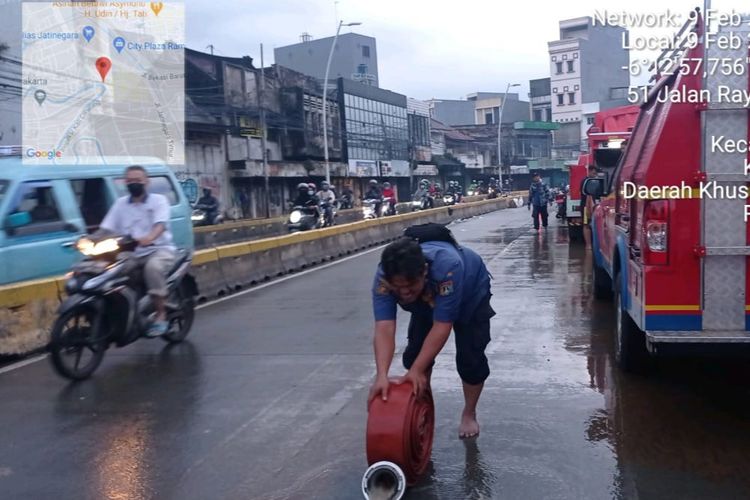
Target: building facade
354, 58
585, 71
540, 99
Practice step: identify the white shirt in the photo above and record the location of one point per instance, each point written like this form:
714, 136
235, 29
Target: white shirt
326, 195
127, 217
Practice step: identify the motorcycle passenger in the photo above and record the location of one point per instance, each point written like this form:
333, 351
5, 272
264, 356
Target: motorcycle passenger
389, 195
209, 204
374, 193
327, 199
423, 192
145, 217
304, 197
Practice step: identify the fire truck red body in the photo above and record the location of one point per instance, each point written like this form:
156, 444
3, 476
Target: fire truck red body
676, 262
610, 128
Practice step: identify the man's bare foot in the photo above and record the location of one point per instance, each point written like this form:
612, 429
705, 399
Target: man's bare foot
469, 427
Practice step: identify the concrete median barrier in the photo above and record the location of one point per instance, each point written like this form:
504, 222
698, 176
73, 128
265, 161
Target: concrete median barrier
28, 309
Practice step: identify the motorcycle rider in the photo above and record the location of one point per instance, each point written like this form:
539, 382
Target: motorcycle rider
209, 204
145, 217
374, 193
423, 191
389, 195
347, 197
327, 199
305, 196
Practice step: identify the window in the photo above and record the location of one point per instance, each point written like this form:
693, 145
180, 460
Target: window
35, 210
488, 118
91, 198
365, 51
559, 67
538, 115
158, 184
572, 98
570, 67
3, 189
560, 99
590, 120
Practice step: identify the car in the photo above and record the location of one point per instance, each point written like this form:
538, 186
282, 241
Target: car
45, 209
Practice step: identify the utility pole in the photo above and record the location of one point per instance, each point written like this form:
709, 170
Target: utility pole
264, 137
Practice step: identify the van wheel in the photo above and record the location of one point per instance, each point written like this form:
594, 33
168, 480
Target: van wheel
602, 283
630, 341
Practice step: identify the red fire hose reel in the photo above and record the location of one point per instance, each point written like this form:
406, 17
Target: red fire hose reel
401, 429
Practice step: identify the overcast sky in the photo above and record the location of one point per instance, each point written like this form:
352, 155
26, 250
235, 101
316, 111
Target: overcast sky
426, 49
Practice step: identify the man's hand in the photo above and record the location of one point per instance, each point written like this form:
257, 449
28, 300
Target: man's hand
144, 242
418, 381
379, 388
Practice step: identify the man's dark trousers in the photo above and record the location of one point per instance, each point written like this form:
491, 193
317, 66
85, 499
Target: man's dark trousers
539, 211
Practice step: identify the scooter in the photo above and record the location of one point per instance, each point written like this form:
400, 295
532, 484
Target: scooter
199, 217
305, 218
108, 304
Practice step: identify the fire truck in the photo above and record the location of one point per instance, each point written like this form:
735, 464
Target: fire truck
611, 128
673, 258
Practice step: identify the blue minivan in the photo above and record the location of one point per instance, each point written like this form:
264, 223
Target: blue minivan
45, 209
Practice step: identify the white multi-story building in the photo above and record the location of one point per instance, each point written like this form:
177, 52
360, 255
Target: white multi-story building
586, 75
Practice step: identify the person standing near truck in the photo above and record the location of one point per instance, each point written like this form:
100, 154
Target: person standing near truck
539, 197
587, 207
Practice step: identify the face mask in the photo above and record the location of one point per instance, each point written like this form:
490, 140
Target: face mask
311, 192
136, 189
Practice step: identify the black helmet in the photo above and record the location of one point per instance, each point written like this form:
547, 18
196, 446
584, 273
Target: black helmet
324, 185
386, 184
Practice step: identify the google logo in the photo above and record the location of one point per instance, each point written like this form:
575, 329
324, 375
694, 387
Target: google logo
36, 153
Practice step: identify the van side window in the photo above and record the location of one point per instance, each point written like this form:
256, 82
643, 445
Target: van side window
34, 210
160, 184
91, 198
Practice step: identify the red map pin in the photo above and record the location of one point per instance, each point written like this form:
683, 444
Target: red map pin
103, 64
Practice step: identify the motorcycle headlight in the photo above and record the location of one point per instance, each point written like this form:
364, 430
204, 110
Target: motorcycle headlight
197, 217
89, 248
295, 217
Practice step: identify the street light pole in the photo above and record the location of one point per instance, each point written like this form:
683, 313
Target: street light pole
325, 98
500, 134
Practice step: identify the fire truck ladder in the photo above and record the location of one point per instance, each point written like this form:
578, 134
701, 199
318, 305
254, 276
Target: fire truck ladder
724, 231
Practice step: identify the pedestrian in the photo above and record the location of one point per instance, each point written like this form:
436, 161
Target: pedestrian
539, 197
445, 287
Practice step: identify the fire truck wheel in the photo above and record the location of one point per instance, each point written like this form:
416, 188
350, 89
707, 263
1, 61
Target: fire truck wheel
630, 342
602, 283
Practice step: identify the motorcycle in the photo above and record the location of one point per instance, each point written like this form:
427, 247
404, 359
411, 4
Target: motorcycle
369, 208
423, 202
561, 201
305, 218
450, 199
491, 193
200, 217
327, 220
108, 304
346, 202
388, 207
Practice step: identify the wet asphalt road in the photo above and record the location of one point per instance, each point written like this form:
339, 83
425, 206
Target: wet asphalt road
267, 400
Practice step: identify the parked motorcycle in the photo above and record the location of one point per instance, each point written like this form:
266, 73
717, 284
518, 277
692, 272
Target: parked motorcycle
108, 304
200, 216
305, 218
